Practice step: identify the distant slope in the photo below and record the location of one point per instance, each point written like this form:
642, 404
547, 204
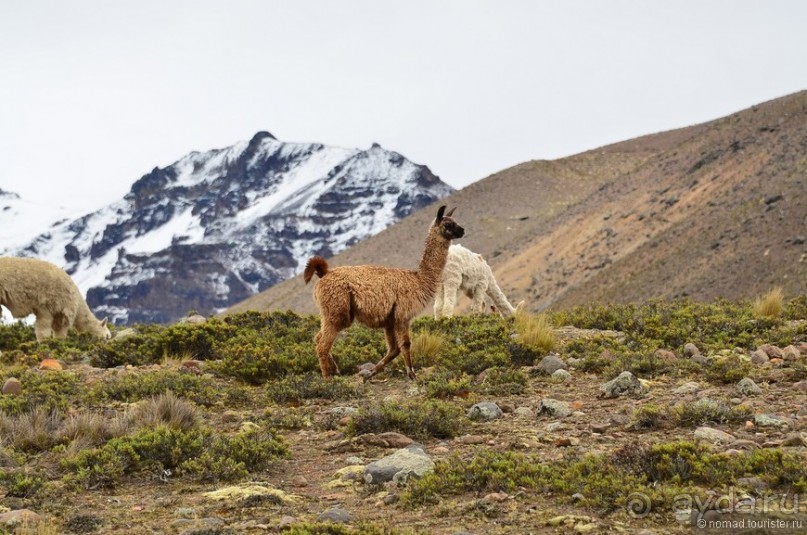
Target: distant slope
716, 209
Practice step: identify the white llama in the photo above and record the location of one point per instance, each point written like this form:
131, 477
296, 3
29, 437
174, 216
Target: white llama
31, 286
467, 272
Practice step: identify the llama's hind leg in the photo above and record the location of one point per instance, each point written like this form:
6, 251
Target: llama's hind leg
324, 342
478, 299
60, 325
392, 351
401, 335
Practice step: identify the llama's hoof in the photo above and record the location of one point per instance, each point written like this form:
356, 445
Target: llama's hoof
411, 374
366, 374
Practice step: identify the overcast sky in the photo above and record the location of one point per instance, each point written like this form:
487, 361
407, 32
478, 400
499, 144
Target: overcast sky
94, 94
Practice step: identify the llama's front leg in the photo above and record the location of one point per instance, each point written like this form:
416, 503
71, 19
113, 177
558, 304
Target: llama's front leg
450, 301
324, 342
405, 344
392, 351
43, 327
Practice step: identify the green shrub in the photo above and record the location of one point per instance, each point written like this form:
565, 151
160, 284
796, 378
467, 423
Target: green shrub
296, 388
134, 386
198, 452
268, 346
287, 418
229, 458
46, 390
19, 484
152, 344
488, 471
475, 343
14, 335
647, 365
796, 309
153, 449
671, 324
414, 418
503, 382
727, 370
650, 417
707, 410
445, 384
255, 359
606, 481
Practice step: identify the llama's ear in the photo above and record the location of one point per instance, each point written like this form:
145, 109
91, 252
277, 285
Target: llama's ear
451, 212
440, 212
103, 322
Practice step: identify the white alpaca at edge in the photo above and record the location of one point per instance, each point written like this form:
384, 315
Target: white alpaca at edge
467, 272
30, 286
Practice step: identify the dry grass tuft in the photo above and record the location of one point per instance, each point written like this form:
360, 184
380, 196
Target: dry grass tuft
165, 409
770, 305
34, 430
87, 429
535, 331
426, 346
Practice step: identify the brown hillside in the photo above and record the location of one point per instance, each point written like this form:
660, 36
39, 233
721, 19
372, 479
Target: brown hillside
717, 209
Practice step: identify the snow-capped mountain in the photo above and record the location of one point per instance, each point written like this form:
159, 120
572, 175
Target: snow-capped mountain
216, 227
21, 221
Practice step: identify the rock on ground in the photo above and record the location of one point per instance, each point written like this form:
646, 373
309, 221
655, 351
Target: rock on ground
747, 387
714, 436
484, 410
551, 363
399, 466
624, 383
554, 408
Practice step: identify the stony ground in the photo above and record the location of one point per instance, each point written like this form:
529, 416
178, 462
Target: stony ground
315, 485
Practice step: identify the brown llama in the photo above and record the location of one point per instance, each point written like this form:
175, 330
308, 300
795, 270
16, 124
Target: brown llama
379, 297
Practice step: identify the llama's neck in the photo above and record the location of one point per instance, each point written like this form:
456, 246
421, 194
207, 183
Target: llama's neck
86, 322
433, 262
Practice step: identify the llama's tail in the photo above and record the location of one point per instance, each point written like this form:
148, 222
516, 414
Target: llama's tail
315, 264
499, 300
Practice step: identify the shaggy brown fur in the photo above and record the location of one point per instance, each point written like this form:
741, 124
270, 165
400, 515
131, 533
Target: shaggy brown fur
31, 286
379, 297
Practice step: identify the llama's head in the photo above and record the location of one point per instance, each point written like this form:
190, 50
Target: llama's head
446, 226
102, 331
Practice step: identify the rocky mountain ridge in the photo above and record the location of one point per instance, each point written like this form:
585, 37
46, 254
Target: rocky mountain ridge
216, 227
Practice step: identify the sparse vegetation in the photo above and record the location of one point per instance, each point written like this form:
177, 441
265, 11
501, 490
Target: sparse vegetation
257, 407
710, 411
419, 419
296, 388
606, 481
